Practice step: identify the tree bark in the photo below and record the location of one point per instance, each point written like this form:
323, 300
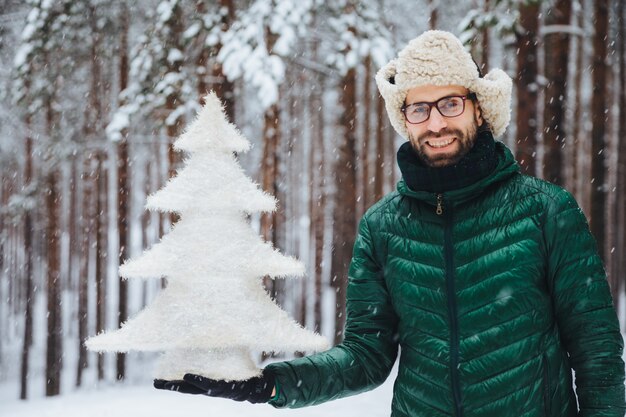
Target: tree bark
367, 100
161, 169
101, 249
599, 118
379, 171
28, 266
123, 188
149, 228
345, 206
271, 222
146, 217
224, 88
203, 55
576, 183
618, 280
269, 172
433, 5
319, 208
173, 127
318, 184
527, 87
54, 342
556, 68
486, 43
391, 151
87, 222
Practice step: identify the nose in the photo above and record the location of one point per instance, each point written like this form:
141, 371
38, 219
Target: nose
436, 121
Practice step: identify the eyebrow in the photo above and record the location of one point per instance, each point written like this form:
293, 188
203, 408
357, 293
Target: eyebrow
440, 97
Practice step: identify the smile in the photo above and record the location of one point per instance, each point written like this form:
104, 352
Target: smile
442, 143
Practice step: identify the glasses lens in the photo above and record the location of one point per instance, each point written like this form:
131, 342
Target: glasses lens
417, 113
450, 106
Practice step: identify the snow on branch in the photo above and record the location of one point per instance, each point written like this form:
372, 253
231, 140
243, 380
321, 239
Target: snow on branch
256, 44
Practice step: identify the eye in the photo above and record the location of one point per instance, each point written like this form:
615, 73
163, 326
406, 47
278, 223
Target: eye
450, 103
417, 109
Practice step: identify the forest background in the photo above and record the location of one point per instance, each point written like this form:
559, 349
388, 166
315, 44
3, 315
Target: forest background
93, 94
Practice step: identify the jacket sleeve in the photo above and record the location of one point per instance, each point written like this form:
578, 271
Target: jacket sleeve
584, 310
365, 358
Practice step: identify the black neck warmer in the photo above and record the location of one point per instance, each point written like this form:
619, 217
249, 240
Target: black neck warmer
479, 162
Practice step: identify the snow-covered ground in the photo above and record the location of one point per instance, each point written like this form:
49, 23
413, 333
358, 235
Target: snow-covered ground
121, 400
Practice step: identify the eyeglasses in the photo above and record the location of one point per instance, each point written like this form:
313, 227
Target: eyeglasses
450, 106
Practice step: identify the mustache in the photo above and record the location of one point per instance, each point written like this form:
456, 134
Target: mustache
443, 132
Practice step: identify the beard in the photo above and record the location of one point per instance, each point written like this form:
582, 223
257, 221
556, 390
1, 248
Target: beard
464, 142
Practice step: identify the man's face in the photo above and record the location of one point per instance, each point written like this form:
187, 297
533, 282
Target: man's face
441, 141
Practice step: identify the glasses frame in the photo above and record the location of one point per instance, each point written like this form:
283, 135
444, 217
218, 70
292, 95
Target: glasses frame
431, 104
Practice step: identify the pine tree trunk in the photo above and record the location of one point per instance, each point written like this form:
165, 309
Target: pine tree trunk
87, 222
123, 203
318, 228
203, 55
72, 226
10, 258
319, 209
272, 222
577, 187
298, 167
617, 200
486, 44
527, 87
269, 169
54, 345
146, 217
379, 173
224, 89
621, 167
147, 224
599, 115
101, 249
318, 189
280, 215
433, 5
345, 207
160, 168
268, 175
173, 100
391, 152
75, 254
28, 313
556, 67
123, 189
367, 100
54, 341
28, 267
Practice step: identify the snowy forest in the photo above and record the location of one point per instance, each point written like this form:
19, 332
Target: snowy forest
94, 93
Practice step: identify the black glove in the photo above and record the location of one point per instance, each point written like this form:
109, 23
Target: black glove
255, 390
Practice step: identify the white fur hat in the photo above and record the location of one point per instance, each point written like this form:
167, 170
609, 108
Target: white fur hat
439, 58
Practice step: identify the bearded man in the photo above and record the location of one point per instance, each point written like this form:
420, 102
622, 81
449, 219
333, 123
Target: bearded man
489, 280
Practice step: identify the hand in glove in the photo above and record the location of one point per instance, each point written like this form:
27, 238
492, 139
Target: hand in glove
255, 390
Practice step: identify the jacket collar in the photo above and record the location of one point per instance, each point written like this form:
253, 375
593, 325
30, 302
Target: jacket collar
479, 162
506, 166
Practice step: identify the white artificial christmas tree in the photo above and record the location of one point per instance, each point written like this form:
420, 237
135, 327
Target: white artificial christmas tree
214, 313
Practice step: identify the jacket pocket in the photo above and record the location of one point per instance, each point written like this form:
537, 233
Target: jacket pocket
546, 385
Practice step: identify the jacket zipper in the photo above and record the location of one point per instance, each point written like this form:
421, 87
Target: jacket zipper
452, 307
439, 209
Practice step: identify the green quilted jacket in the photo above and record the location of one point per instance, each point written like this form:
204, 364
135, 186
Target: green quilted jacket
494, 293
